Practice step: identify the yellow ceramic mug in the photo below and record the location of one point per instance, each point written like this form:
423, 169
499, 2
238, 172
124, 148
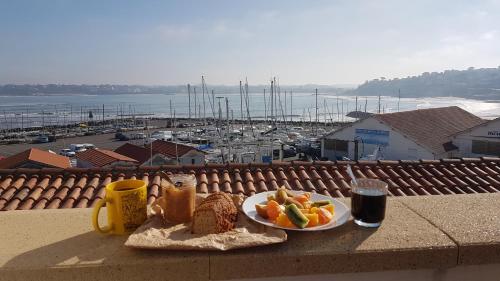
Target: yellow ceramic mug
126, 204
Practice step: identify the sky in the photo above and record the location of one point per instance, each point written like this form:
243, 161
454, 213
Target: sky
300, 42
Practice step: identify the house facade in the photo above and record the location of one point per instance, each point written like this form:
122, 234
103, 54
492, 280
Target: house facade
373, 137
482, 140
409, 135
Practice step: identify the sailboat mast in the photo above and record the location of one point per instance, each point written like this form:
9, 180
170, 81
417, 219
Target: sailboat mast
272, 102
378, 104
204, 104
241, 105
227, 131
171, 119
189, 101
356, 110
247, 103
342, 113
286, 112
316, 126
195, 103
399, 97
338, 111
265, 106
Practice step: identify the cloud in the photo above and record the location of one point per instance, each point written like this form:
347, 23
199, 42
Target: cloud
489, 35
230, 29
175, 31
455, 51
222, 29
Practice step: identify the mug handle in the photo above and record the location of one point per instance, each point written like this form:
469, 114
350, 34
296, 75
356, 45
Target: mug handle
95, 217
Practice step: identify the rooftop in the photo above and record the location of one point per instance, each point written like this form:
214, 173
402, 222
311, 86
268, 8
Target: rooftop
37, 156
102, 157
431, 127
142, 154
139, 153
171, 149
25, 189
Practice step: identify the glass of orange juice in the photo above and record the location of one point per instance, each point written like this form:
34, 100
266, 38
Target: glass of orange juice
179, 198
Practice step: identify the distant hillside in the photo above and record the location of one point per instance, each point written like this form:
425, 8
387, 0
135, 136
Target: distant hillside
483, 83
61, 89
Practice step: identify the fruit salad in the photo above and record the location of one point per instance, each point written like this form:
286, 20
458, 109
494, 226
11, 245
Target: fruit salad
290, 210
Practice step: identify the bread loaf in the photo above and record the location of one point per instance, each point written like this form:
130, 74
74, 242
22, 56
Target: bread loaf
215, 214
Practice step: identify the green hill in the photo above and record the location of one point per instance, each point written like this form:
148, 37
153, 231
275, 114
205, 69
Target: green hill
482, 83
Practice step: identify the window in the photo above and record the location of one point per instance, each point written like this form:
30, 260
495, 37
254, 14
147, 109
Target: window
486, 147
192, 161
336, 145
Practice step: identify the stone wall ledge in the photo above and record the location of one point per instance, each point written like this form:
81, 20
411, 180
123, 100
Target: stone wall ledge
419, 233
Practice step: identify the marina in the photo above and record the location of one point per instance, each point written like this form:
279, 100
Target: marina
239, 127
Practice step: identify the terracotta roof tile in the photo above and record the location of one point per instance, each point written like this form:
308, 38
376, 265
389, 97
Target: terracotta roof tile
262, 187
202, 182
81, 188
37, 156
102, 157
214, 181
139, 153
238, 183
170, 149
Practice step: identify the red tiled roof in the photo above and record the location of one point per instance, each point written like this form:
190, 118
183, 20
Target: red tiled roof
80, 188
431, 127
169, 148
133, 151
36, 155
102, 157
142, 154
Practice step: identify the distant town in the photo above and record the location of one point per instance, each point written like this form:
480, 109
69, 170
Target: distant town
480, 83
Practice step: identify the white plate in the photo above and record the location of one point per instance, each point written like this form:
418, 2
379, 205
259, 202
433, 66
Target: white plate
340, 217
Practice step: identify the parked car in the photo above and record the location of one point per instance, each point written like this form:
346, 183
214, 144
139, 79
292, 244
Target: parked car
42, 139
162, 135
149, 140
123, 137
138, 136
77, 147
88, 146
67, 152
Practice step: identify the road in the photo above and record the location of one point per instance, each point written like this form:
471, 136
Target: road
104, 141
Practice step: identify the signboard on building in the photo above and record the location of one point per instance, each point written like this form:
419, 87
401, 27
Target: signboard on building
493, 133
376, 137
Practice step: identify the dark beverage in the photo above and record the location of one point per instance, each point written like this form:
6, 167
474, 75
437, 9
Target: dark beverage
368, 206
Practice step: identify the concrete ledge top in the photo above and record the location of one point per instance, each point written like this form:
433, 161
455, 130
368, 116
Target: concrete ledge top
418, 233
471, 221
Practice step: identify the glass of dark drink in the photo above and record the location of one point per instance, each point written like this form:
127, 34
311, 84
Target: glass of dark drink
368, 202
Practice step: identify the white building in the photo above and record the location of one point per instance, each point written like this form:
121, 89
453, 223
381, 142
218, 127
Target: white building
481, 140
416, 134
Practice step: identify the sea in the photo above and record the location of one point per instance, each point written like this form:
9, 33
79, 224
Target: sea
47, 110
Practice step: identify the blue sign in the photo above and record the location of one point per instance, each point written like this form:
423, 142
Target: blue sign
267, 159
376, 137
205, 147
